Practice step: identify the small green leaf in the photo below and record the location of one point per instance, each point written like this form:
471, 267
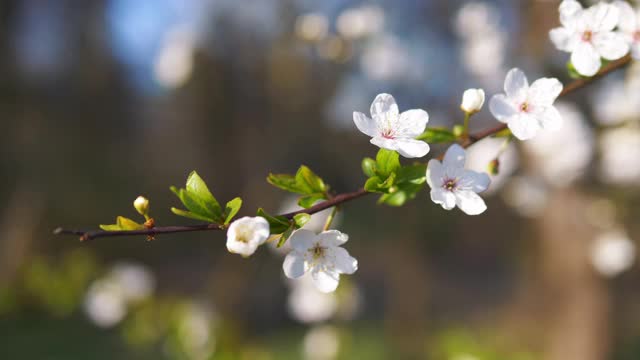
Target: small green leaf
387, 162
285, 236
308, 201
398, 198
375, 184
301, 219
285, 182
112, 227
437, 135
231, 209
277, 224
199, 190
190, 215
506, 132
308, 181
122, 223
369, 167
415, 174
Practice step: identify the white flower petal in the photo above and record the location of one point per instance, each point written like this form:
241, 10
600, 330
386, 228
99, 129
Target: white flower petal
383, 106
635, 50
454, 157
241, 248
302, 239
585, 59
470, 203
475, 181
332, 238
569, 10
515, 84
384, 143
435, 172
550, 119
364, 124
611, 46
603, 17
501, 108
325, 281
524, 127
412, 123
628, 19
343, 262
411, 148
543, 92
563, 38
294, 265
443, 197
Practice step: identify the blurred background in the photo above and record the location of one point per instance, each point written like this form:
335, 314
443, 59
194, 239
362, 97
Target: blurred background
105, 100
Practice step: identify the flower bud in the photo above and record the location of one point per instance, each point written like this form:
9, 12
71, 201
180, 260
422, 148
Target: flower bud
472, 101
142, 205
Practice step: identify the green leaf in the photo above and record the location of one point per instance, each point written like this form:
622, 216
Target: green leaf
398, 198
387, 162
308, 201
192, 203
122, 223
375, 184
369, 167
231, 209
277, 224
190, 215
506, 132
308, 181
301, 219
437, 135
285, 182
414, 174
285, 236
458, 130
199, 190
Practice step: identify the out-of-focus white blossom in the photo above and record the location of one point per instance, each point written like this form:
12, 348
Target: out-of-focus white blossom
174, 63
629, 25
389, 129
246, 234
620, 151
483, 152
452, 185
588, 35
321, 343
613, 253
526, 195
195, 331
107, 299
361, 21
321, 255
312, 26
563, 155
307, 304
472, 100
386, 58
616, 102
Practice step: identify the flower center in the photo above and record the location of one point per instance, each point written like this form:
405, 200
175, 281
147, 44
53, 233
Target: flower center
587, 36
318, 251
525, 107
242, 235
388, 134
450, 184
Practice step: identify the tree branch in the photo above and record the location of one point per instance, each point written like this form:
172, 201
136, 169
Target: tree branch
340, 198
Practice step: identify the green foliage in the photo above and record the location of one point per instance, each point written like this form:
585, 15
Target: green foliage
301, 219
122, 223
283, 227
201, 204
305, 182
397, 183
437, 135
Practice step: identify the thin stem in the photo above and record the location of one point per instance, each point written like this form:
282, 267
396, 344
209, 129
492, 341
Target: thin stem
330, 218
465, 131
340, 198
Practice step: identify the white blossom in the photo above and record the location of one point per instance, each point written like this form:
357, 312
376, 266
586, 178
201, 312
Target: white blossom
321, 255
482, 153
612, 253
321, 343
629, 26
392, 130
141, 204
307, 304
451, 184
588, 35
246, 234
472, 100
620, 151
527, 109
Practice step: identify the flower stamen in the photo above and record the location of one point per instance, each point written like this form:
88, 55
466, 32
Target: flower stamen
587, 36
450, 184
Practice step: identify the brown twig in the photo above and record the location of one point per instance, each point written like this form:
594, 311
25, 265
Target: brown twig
340, 198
